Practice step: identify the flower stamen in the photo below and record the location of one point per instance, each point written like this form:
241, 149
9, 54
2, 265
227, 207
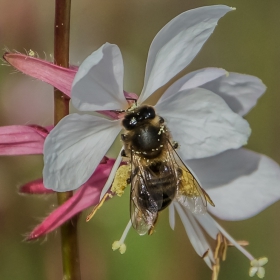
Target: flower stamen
221, 247
216, 270
219, 253
240, 242
256, 265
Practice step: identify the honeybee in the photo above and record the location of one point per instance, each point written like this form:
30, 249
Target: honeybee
158, 175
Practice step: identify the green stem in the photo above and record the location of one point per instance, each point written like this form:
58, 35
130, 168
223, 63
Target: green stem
69, 238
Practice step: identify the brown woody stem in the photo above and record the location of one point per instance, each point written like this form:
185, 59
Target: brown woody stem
69, 238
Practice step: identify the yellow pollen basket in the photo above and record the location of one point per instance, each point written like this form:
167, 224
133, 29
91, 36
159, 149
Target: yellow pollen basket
120, 181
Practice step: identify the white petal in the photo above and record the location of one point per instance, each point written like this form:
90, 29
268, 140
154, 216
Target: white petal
240, 182
200, 234
199, 245
98, 84
193, 80
189, 230
74, 149
240, 91
202, 123
207, 225
172, 216
177, 43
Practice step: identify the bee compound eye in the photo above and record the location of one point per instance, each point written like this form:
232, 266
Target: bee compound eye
129, 122
148, 113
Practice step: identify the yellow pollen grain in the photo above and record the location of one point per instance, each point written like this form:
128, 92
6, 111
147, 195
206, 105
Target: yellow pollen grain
132, 108
31, 53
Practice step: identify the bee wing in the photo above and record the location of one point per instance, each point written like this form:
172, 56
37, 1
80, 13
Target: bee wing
190, 193
143, 208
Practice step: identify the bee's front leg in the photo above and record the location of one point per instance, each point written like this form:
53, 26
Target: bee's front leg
152, 228
123, 153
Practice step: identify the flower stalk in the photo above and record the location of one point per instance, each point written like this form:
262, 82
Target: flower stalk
69, 239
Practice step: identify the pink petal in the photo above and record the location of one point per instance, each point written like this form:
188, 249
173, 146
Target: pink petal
74, 67
43, 131
112, 114
57, 76
85, 197
130, 95
22, 139
37, 186
34, 187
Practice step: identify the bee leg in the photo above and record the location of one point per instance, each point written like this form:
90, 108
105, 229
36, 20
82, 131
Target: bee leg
152, 228
161, 120
123, 154
175, 145
134, 172
97, 207
128, 180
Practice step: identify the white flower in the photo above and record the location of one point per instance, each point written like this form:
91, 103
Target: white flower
203, 111
199, 120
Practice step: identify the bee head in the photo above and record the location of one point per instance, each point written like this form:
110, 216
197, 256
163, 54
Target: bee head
138, 117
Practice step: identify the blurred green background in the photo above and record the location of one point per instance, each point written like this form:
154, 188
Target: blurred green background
245, 41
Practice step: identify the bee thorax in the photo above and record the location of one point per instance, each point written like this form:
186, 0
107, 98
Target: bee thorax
147, 141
